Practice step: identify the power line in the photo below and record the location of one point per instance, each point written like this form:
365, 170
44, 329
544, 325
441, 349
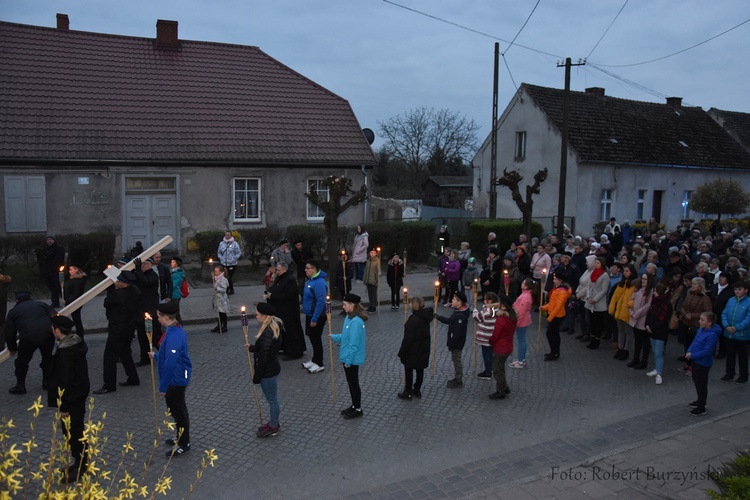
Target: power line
679, 51
607, 30
522, 27
472, 30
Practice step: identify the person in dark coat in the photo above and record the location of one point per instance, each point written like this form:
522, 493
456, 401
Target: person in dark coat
395, 279
121, 303
74, 288
458, 323
147, 281
28, 328
69, 373
165, 277
5, 281
415, 348
300, 256
265, 351
282, 295
51, 258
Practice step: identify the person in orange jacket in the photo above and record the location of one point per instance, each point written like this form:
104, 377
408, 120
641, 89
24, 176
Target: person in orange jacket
555, 309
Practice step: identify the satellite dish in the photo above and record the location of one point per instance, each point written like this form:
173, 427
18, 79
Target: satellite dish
369, 135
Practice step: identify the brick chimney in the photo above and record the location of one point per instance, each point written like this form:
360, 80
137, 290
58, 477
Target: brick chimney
675, 103
597, 91
63, 23
166, 35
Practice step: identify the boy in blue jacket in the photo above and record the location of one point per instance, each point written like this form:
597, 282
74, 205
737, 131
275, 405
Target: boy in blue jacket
174, 374
701, 353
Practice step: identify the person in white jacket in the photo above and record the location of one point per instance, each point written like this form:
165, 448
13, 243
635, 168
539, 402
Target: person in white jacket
229, 255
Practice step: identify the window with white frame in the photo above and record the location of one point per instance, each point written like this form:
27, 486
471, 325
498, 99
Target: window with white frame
606, 204
686, 204
25, 203
314, 212
246, 194
640, 206
520, 151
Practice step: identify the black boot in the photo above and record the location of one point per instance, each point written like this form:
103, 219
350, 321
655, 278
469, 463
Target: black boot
633, 363
215, 329
586, 338
405, 395
618, 354
594, 344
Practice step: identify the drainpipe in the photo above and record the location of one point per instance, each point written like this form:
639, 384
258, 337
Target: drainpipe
367, 200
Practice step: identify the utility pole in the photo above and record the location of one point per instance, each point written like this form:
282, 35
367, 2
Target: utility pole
564, 149
493, 154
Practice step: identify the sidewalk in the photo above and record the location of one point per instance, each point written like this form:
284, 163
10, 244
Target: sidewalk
197, 307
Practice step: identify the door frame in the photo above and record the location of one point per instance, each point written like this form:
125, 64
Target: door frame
150, 192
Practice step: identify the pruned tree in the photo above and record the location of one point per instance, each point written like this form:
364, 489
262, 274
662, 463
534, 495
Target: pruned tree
421, 136
511, 180
332, 206
720, 196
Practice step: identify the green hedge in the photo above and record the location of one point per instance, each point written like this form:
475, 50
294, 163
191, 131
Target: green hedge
208, 244
416, 237
258, 243
313, 238
90, 251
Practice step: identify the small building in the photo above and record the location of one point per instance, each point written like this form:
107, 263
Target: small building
153, 136
447, 191
628, 159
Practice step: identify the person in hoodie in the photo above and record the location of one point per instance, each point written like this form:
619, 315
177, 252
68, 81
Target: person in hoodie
457, 325
313, 305
701, 355
485, 320
470, 274
229, 255
502, 346
452, 271
69, 373
175, 369
415, 348
736, 322
121, 303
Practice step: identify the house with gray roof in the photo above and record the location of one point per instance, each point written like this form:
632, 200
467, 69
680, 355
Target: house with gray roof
152, 136
628, 159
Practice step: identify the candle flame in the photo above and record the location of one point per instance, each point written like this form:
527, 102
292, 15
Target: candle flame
210, 261
109, 265
476, 280
505, 271
437, 284
148, 316
242, 309
62, 268
405, 290
378, 249
343, 252
328, 297
544, 271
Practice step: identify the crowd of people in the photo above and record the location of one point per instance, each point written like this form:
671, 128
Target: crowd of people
633, 290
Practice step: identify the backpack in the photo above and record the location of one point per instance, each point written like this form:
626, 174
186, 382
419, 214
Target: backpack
184, 289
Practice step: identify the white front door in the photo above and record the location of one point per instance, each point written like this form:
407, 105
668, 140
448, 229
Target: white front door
149, 217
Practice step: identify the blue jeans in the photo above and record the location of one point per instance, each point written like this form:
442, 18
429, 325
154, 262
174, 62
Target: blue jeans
270, 391
359, 270
521, 339
487, 358
658, 347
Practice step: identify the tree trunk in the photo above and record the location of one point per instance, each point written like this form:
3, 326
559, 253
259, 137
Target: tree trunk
331, 223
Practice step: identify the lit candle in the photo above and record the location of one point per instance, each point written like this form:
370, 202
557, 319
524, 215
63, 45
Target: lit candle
149, 331
506, 280
61, 274
328, 307
243, 316
406, 302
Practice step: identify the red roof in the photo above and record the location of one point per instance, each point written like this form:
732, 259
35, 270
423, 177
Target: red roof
73, 95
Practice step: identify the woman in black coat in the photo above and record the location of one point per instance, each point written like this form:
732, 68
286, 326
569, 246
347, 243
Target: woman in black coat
415, 347
284, 297
265, 351
74, 288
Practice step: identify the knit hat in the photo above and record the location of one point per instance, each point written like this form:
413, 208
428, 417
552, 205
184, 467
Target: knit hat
460, 296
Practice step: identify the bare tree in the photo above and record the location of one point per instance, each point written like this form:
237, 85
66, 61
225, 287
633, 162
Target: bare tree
420, 135
721, 196
332, 206
511, 180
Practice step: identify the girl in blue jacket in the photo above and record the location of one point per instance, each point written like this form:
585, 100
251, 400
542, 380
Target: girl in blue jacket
352, 352
701, 353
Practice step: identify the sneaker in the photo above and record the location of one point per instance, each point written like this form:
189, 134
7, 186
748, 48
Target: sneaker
652, 373
741, 380
484, 376
307, 365
355, 413
693, 404
497, 395
404, 395
689, 372
316, 368
658, 380
268, 431
454, 384
697, 412
393, 308
177, 451
346, 410
417, 393
371, 310
726, 378
18, 389
171, 441
518, 364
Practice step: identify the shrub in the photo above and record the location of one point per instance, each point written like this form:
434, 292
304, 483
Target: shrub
733, 479
258, 243
313, 238
208, 243
507, 232
416, 237
89, 251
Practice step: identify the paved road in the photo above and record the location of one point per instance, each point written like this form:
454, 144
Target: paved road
582, 412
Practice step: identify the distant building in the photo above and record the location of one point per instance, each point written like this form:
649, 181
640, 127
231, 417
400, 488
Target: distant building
447, 191
154, 136
629, 159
